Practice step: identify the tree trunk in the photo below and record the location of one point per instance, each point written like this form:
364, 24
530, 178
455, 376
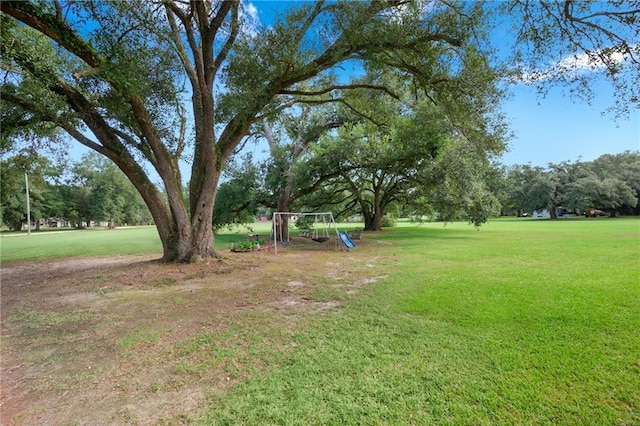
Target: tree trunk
283, 206
283, 203
282, 228
373, 219
185, 238
184, 243
378, 214
368, 217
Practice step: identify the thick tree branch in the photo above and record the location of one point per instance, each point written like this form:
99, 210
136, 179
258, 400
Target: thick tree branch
112, 151
183, 129
316, 185
269, 136
189, 31
207, 32
179, 45
231, 38
317, 10
326, 90
60, 32
53, 27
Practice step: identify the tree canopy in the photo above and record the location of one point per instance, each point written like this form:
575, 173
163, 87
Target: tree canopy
15, 171
610, 183
91, 189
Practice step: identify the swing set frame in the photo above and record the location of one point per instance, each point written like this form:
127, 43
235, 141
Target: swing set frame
327, 219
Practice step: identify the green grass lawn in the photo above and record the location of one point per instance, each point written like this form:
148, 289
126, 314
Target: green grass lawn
104, 242
522, 322
95, 242
84, 242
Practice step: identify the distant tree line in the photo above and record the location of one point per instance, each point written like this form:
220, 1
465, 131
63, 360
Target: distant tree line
90, 190
376, 189
610, 183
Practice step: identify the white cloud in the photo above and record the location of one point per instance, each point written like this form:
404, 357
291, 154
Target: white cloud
249, 20
252, 10
589, 62
574, 64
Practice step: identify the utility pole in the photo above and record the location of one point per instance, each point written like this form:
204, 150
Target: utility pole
26, 181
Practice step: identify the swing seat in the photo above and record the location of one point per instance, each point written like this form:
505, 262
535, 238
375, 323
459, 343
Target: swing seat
321, 239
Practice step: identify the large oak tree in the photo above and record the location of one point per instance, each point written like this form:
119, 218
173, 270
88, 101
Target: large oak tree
114, 70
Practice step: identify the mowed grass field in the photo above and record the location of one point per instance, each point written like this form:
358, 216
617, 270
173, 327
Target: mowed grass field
524, 321
99, 242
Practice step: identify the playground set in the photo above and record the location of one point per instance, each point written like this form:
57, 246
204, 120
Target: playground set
326, 226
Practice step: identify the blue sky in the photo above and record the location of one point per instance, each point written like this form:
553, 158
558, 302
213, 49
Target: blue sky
555, 128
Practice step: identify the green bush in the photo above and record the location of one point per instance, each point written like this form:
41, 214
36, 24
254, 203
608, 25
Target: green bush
389, 221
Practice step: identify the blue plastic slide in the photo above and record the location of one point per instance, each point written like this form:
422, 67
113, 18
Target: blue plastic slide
346, 240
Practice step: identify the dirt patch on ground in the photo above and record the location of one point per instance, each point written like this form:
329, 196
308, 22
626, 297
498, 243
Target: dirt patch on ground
129, 340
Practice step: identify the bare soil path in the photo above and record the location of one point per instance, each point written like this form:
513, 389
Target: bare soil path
129, 340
